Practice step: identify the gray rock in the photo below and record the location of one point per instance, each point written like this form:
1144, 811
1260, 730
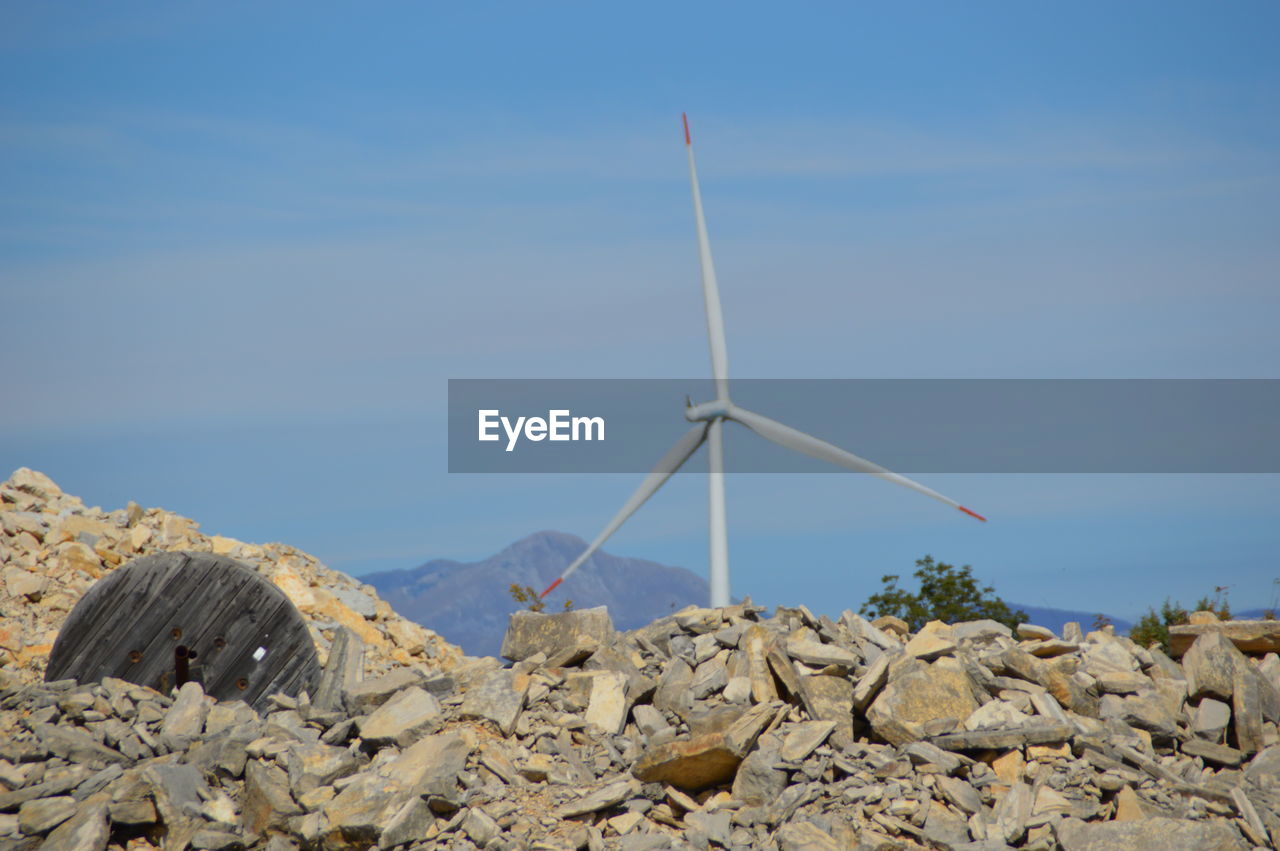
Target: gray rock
923, 753
267, 802
312, 765
961, 795
1264, 769
673, 688
1013, 812
87, 830
607, 796
1213, 752
10, 801
355, 600
227, 715
1211, 719
216, 840
817, 654
980, 630
709, 677
342, 671
715, 826
479, 827
185, 719
132, 813
44, 814
496, 698
757, 781
1210, 665
428, 768
1145, 711
367, 695
1246, 706
830, 699
648, 719
400, 720
801, 739
534, 632
870, 683
1165, 833
75, 744
431, 765
409, 823
945, 829
1036, 733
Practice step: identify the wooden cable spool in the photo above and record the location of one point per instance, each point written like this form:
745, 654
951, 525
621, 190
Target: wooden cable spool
168, 618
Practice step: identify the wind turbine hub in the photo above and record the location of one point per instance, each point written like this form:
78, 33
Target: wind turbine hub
714, 410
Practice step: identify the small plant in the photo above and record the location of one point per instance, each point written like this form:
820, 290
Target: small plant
1153, 627
1101, 621
525, 595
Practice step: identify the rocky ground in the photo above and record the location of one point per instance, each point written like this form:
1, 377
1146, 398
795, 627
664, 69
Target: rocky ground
711, 728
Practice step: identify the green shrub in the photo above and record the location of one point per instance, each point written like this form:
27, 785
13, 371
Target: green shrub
947, 593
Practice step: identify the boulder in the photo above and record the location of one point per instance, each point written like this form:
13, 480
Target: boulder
535, 632
924, 693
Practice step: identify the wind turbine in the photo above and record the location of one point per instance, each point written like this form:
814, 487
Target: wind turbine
709, 418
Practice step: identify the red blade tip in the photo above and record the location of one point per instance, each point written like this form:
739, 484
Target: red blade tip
685, 119
972, 513
551, 588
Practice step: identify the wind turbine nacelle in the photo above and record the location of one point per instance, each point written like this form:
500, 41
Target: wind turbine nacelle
706, 411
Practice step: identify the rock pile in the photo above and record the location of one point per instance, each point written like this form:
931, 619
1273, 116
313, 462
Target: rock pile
53, 547
712, 728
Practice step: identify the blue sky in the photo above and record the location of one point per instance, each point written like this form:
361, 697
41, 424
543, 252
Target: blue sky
243, 248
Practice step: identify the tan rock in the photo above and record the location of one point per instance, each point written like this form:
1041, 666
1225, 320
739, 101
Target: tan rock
533, 632
297, 589
73, 556
34, 483
139, 536
1129, 806
921, 694
1032, 632
1249, 636
891, 624
607, 708
755, 642
326, 605
407, 635
1010, 767
689, 764
222, 546
929, 646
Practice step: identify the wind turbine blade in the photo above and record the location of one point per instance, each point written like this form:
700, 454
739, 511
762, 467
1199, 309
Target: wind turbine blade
710, 290
672, 461
794, 439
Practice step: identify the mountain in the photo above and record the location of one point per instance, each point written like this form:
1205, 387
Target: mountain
1055, 618
468, 603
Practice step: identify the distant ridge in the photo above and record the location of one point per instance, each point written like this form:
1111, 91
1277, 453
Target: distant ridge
469, 602
1055, 618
